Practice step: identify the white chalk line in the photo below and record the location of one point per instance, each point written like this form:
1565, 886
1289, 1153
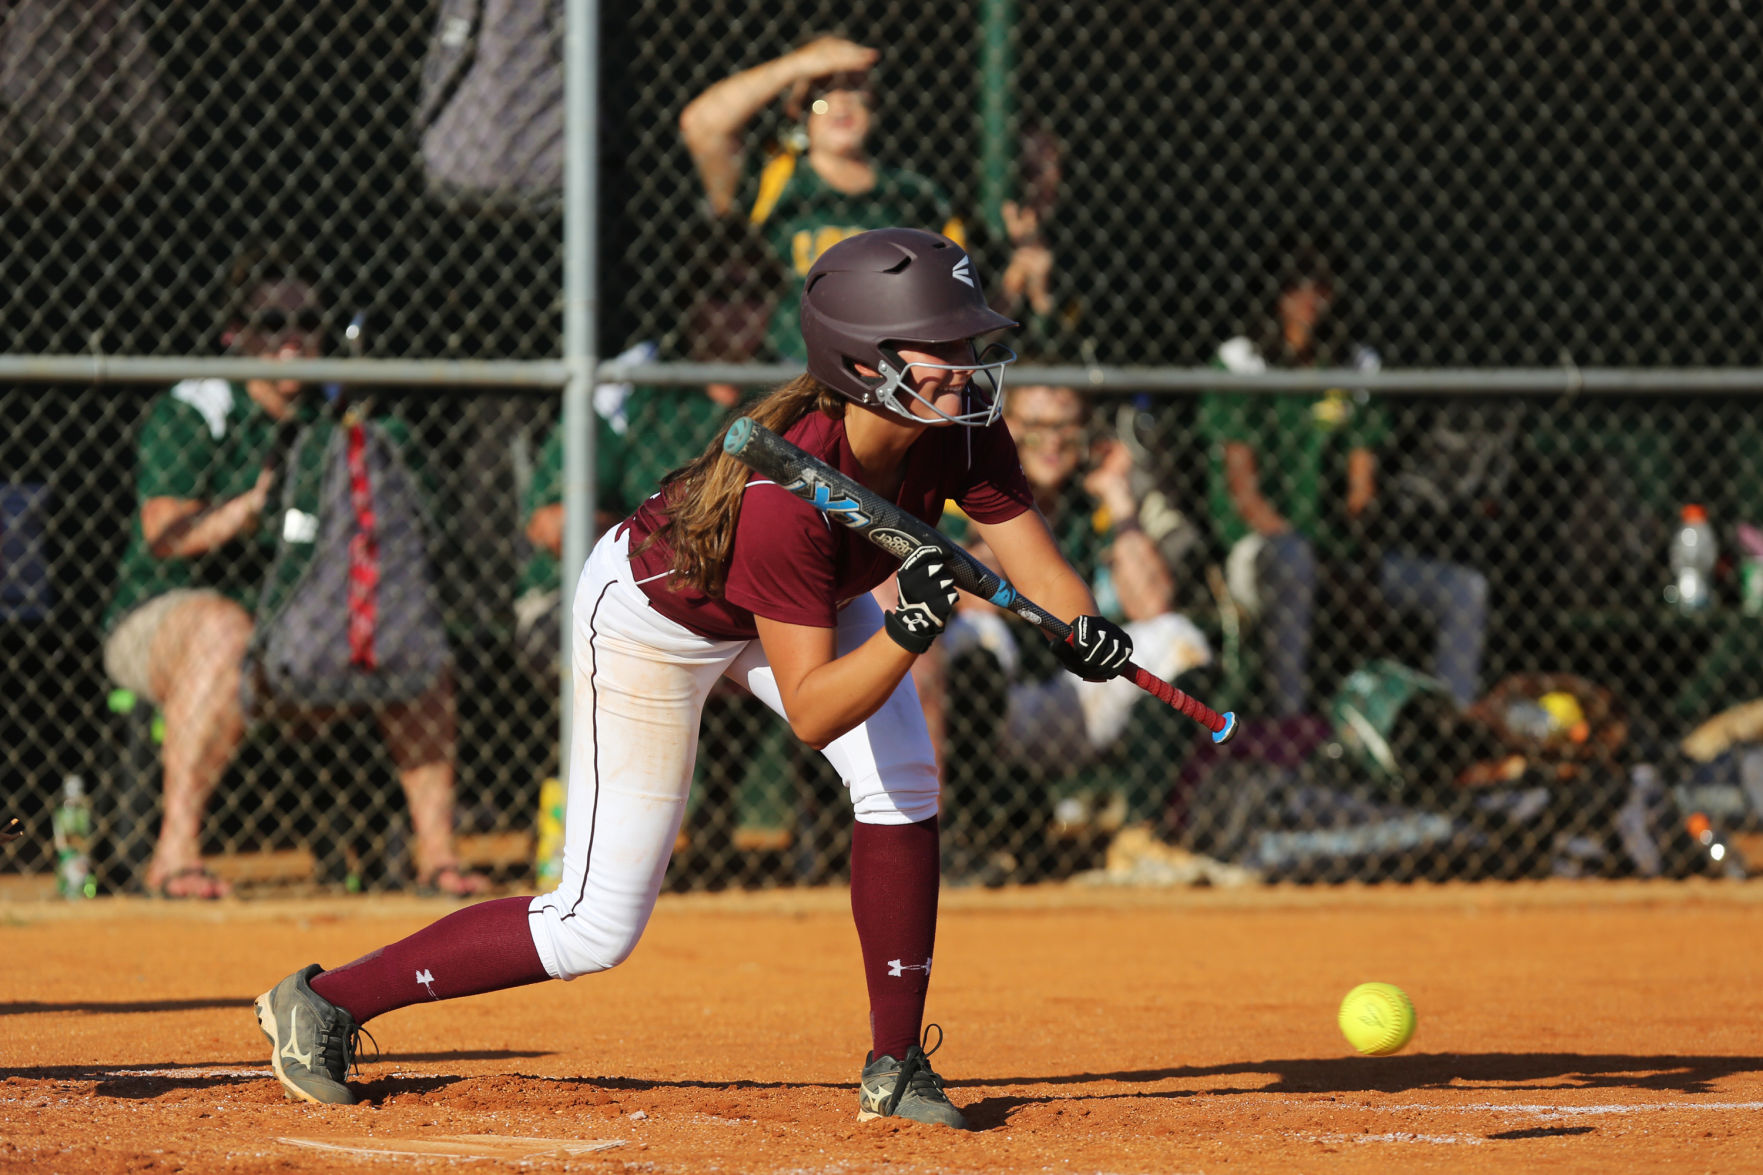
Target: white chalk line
1561, 1110
1396, 1136
1534, 1111
1531, 1109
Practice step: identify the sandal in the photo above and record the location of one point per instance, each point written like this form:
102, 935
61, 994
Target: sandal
451, 881
212, 887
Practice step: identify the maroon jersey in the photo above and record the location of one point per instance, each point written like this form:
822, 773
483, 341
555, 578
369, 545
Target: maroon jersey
793, 564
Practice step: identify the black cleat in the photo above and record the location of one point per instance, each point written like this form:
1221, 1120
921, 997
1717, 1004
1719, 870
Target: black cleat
312, 1042
906, 1088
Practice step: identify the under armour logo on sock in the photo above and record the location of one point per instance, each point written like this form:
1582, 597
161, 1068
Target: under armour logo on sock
427, 979
897, 969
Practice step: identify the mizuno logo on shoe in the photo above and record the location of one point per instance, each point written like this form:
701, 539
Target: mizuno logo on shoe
963, 272
293, 1034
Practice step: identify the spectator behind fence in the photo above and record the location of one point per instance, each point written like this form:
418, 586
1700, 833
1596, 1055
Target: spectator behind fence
1447, 509
1049, 716
538, 608
819, 185
643, 434
1294, 481
199, 553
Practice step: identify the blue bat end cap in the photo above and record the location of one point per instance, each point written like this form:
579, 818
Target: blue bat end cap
1223, 734
739, 433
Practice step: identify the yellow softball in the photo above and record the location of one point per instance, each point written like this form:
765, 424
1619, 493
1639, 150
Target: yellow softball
1377, 1019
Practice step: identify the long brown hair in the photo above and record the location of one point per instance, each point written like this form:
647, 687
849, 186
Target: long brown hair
704, 497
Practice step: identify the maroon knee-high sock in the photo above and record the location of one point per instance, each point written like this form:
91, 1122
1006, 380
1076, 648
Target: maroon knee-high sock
894, 875
485, 947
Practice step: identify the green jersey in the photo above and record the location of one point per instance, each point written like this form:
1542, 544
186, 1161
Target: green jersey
207, 441
656, 431
801, 217
1300, 443
542, 571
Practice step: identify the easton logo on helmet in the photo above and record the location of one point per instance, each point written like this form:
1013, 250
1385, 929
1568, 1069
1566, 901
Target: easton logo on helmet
888, 290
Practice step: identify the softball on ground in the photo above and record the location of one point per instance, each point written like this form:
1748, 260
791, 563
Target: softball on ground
1377, 1019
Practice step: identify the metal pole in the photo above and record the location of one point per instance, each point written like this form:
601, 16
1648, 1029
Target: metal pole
1439, 381
93, 370
580, 208
539, 374
996, 72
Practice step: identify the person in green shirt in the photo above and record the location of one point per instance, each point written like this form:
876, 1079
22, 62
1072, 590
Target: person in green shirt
1293, 482
1050, 723
642, 434
199, 552
821, 186
649, 432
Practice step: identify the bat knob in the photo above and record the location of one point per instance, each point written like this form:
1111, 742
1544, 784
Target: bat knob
739, 433
1224, 733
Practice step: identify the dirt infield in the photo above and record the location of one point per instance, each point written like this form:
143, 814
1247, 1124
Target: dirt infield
1574, 1027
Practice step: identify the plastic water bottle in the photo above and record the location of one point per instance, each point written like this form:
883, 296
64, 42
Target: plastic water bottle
1692, 560
73, 842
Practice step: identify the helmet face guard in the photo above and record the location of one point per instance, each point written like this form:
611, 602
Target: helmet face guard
881, 290
982, 400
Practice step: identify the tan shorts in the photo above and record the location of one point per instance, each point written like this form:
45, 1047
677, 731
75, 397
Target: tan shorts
128, 650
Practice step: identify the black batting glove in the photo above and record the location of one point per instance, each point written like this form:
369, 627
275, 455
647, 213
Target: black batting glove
1097, 649
927, 599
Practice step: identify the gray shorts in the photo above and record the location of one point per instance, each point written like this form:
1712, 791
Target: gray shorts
128, 650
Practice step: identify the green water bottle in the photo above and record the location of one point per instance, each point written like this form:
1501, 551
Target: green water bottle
73, 842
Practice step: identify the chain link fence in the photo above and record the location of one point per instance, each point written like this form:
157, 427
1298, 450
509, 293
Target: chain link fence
1451, 623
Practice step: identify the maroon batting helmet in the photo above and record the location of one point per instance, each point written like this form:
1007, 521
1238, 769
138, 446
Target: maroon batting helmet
871, 292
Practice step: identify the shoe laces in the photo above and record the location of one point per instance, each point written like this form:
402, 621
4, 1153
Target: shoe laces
339, 1042
916, 1076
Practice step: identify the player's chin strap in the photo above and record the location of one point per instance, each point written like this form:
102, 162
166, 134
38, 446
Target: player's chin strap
986, 387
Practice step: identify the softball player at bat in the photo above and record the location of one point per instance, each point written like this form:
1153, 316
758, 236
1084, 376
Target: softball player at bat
723, 573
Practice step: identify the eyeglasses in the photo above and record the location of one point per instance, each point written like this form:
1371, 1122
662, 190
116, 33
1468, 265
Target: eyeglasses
275, 322
1034, 432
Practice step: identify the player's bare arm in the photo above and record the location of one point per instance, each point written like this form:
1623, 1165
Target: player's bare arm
825, 695
1029, 557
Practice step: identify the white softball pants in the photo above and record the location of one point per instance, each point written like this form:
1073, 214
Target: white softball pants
640, 683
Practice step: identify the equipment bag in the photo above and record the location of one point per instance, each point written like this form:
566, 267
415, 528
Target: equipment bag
491, 107
350, 613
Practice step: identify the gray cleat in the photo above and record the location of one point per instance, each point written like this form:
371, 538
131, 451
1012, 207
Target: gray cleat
906, 1088
311, 1040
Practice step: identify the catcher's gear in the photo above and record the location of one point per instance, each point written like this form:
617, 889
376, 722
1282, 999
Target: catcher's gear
872, 292
1097, 649
927, 600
